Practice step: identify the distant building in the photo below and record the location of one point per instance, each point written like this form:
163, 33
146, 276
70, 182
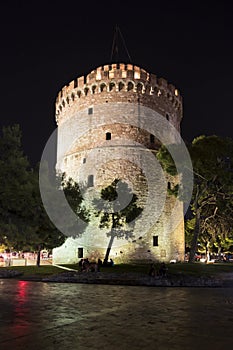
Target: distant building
104, 134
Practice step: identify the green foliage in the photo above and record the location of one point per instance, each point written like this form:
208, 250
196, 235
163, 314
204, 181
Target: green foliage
212, 201
109, 193
24, 223
74, 197
189, 225
112, 215
211, 225
16, 193
177, 169
166, 160
116, 217
54, 184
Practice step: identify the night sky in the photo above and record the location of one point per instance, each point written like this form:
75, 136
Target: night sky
46, 44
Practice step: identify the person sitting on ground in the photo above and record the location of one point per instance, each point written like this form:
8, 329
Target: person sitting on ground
96, 267
105, 262
85, 265
163, 270
152, 271
80, 264
100, 263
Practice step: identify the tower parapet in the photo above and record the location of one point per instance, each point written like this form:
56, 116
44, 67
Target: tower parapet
123, 82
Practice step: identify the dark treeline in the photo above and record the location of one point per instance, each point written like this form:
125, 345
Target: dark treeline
24, 223
209, 222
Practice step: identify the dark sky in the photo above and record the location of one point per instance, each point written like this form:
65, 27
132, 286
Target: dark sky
46, 44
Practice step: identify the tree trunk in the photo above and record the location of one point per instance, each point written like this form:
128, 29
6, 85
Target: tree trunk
195, 237
38, 257
207, 252
196, 229
219, 252
109, 248
111, 239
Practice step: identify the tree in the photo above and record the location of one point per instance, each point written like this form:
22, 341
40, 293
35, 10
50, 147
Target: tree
46, 235
113, 216
210, 222
49, 234
16, 199
180, 169
212, 201
24, 223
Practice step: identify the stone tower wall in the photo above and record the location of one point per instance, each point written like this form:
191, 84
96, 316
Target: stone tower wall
111, 99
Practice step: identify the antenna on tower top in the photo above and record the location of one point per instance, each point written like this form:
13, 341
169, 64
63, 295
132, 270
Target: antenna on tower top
115, 45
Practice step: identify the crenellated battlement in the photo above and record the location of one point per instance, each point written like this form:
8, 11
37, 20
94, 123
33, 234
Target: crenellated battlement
115, 78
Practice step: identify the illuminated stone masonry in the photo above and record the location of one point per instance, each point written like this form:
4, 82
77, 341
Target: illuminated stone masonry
110, 125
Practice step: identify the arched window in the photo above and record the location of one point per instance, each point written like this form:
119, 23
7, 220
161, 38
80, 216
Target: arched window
121, 86
103, 87
139, 87
111, 86
130, 86
148, 89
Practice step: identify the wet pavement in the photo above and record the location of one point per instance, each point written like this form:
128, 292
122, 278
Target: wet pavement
36, 315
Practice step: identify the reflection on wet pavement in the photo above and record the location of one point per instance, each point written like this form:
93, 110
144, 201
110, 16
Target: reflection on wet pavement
37, 315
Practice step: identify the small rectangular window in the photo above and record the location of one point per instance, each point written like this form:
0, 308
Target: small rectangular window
155, 241
152, 138
80, 253
90, 181
108, 136
90, 110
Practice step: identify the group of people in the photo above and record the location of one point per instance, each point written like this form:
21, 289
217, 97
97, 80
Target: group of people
87, 266
160, 270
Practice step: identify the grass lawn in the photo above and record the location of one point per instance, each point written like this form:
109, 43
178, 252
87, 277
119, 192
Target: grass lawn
34, 271
194, 269
200, 269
